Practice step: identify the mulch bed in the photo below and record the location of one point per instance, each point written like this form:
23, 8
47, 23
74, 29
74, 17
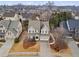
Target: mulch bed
28, 43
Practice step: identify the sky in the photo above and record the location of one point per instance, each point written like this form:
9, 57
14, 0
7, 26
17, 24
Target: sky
58, 3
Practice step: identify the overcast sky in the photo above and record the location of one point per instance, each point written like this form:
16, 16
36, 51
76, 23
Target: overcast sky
59, 3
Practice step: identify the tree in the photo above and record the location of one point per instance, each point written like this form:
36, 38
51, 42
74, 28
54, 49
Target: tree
57, 17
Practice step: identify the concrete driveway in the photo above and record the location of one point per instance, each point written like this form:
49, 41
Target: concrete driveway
4, 50
46, 52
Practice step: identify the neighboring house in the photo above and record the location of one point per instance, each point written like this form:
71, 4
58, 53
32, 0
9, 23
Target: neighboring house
2, 32
10, 29
44, 30
75, 15
38, 29
76, 34
69, 27
13, 16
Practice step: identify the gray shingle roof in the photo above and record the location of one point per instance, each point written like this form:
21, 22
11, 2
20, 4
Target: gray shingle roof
5, 23
45, 23
73, 24
13, 25
35, 24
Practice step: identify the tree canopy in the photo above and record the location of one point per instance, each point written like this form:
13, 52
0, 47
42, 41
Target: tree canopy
57, 17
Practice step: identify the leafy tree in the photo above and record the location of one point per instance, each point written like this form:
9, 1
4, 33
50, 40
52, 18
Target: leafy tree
57, 17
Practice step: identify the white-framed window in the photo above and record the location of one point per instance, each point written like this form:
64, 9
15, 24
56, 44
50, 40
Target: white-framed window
36, 31
9, 33
32, 31
46, 32
3, 30
42, 32
1, 36
29, 31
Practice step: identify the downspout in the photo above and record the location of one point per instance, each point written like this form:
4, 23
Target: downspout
68, 25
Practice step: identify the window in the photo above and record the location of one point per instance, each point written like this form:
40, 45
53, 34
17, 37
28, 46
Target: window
1, 36
9, 33
29, 31
45, 31
0, 30
42, 32
33, 31
36, 31
3, 30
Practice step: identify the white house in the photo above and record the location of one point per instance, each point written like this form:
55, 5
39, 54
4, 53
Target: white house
34, 29
44, 35
38, 29
10, 29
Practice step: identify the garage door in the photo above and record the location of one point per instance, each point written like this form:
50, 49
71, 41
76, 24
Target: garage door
44, 38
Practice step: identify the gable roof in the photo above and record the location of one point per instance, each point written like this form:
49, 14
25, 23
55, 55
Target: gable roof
10, 25
44, 24
35, 24
72, 24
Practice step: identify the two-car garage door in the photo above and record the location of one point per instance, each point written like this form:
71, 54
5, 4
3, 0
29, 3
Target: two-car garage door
44, 38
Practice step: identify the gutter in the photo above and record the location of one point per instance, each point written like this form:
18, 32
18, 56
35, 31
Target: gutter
68, 25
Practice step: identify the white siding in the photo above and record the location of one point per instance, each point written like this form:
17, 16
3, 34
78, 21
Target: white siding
36, 31
31, 30
44, 38
9, 35
45, 30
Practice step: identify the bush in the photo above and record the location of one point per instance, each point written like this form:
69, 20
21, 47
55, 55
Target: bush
17, 40
3, 40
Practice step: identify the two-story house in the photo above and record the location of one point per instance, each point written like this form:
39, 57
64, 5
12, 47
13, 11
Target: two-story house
34, 29
10, 29
38, 29
44, 35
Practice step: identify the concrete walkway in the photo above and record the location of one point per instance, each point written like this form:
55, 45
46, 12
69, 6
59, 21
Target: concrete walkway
44, 49
75, 49
4, 50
